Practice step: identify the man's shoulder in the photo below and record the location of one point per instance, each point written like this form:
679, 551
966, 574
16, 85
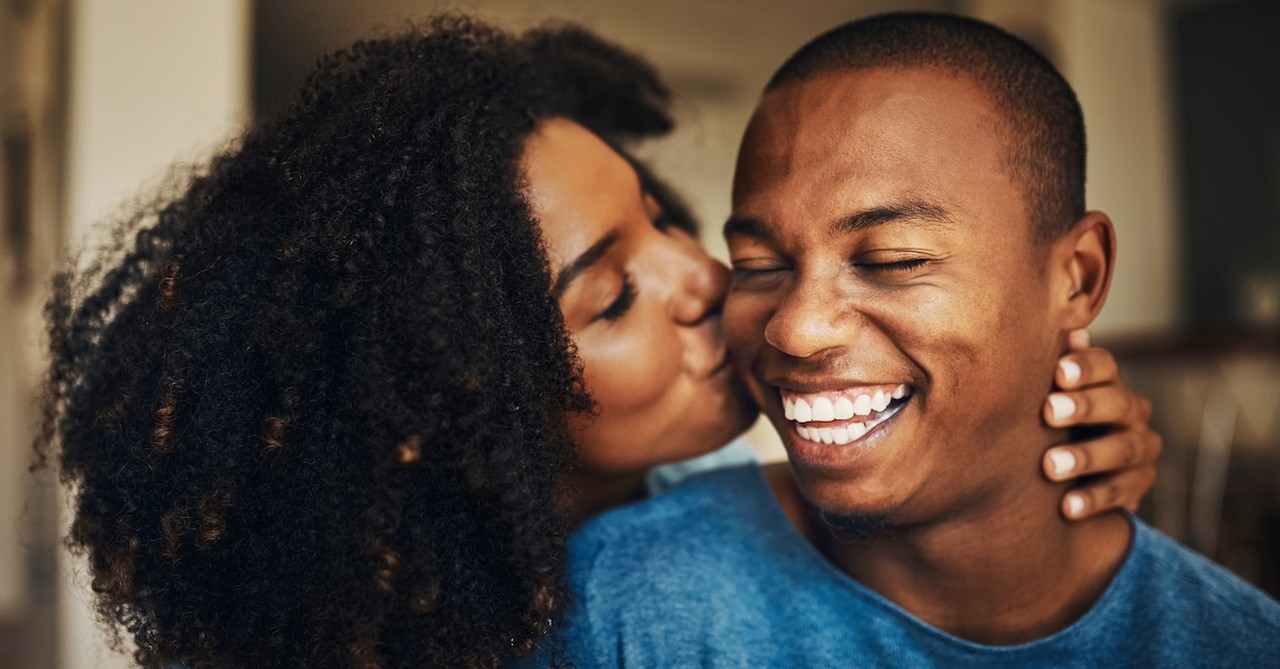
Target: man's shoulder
700, 572
722, 522
1187, 586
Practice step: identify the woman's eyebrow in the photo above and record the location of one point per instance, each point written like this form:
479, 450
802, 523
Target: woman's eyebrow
580, 264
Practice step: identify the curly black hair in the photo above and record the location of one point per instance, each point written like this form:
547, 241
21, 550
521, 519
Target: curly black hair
313, 406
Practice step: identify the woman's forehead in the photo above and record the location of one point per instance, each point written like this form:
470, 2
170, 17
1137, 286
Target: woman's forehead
577, 186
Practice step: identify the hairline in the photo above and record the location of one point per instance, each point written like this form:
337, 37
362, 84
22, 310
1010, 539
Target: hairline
1040, 235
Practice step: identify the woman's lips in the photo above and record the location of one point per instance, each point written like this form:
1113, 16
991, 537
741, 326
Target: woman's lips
725, 363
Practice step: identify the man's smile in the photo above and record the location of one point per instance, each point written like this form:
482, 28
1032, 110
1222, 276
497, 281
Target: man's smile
844, 415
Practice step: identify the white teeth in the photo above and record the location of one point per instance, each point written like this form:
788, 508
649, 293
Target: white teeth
900, 392
803, 413
788, 409
880, 402
823, 410
862, 405
845, 433
843, 408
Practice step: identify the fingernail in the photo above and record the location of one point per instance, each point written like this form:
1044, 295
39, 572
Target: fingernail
1075, 505
1070, 371
1063, 407
1063, 462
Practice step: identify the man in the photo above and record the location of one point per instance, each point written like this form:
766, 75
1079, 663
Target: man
910, 248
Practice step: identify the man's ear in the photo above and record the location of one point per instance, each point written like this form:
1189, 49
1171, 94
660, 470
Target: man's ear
1082, 262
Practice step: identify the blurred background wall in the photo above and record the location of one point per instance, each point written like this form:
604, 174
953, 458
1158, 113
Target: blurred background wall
1181, 99
99, 100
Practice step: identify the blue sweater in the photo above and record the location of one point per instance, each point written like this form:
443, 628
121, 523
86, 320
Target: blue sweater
714, 575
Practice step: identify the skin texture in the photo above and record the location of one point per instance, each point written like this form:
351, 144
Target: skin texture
941, 287
655, 363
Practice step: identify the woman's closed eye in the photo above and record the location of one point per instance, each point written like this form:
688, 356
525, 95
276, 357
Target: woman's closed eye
622, 303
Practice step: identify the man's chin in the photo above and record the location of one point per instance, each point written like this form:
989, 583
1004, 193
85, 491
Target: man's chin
854, 517
853, 527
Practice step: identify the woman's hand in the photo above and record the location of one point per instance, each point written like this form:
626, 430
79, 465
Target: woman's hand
1121, 463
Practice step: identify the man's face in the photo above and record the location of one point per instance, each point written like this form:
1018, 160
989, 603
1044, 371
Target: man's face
889, 305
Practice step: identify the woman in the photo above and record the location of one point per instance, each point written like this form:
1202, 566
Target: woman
322, 407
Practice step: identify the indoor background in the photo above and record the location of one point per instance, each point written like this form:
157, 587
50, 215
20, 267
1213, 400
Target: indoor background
100, 98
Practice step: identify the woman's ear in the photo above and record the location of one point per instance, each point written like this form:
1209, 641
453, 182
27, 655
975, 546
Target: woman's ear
1082, 263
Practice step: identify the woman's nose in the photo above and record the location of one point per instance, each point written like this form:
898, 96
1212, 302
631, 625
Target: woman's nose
700, 289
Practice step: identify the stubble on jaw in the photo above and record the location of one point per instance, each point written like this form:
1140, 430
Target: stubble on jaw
853, 528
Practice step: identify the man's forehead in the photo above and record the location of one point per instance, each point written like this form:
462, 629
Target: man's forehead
842, 150
831, 103
898, 115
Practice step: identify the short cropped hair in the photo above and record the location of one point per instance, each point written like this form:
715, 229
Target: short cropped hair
1045, 127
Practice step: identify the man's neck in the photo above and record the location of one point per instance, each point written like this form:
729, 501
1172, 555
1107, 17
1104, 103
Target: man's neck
1004, 569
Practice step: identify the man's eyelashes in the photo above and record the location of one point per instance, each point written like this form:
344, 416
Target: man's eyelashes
895, 266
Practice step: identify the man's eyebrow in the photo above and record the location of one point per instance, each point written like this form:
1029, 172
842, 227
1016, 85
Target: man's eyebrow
746, 227
911, 210
580, 264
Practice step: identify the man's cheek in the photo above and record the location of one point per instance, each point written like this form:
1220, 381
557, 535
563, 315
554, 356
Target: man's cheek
744, 323
743, 327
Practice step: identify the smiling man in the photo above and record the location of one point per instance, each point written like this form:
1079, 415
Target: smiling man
910, 249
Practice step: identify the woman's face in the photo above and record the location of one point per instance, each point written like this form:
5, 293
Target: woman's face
642, 302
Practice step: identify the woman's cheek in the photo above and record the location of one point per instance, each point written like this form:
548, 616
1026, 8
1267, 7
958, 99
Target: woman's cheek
631, 367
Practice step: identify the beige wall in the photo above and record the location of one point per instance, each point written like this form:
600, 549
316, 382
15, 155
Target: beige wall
152, 82
29, 105
1115, 54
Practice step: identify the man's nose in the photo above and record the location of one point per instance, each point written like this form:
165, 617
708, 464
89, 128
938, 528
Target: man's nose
811, 319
